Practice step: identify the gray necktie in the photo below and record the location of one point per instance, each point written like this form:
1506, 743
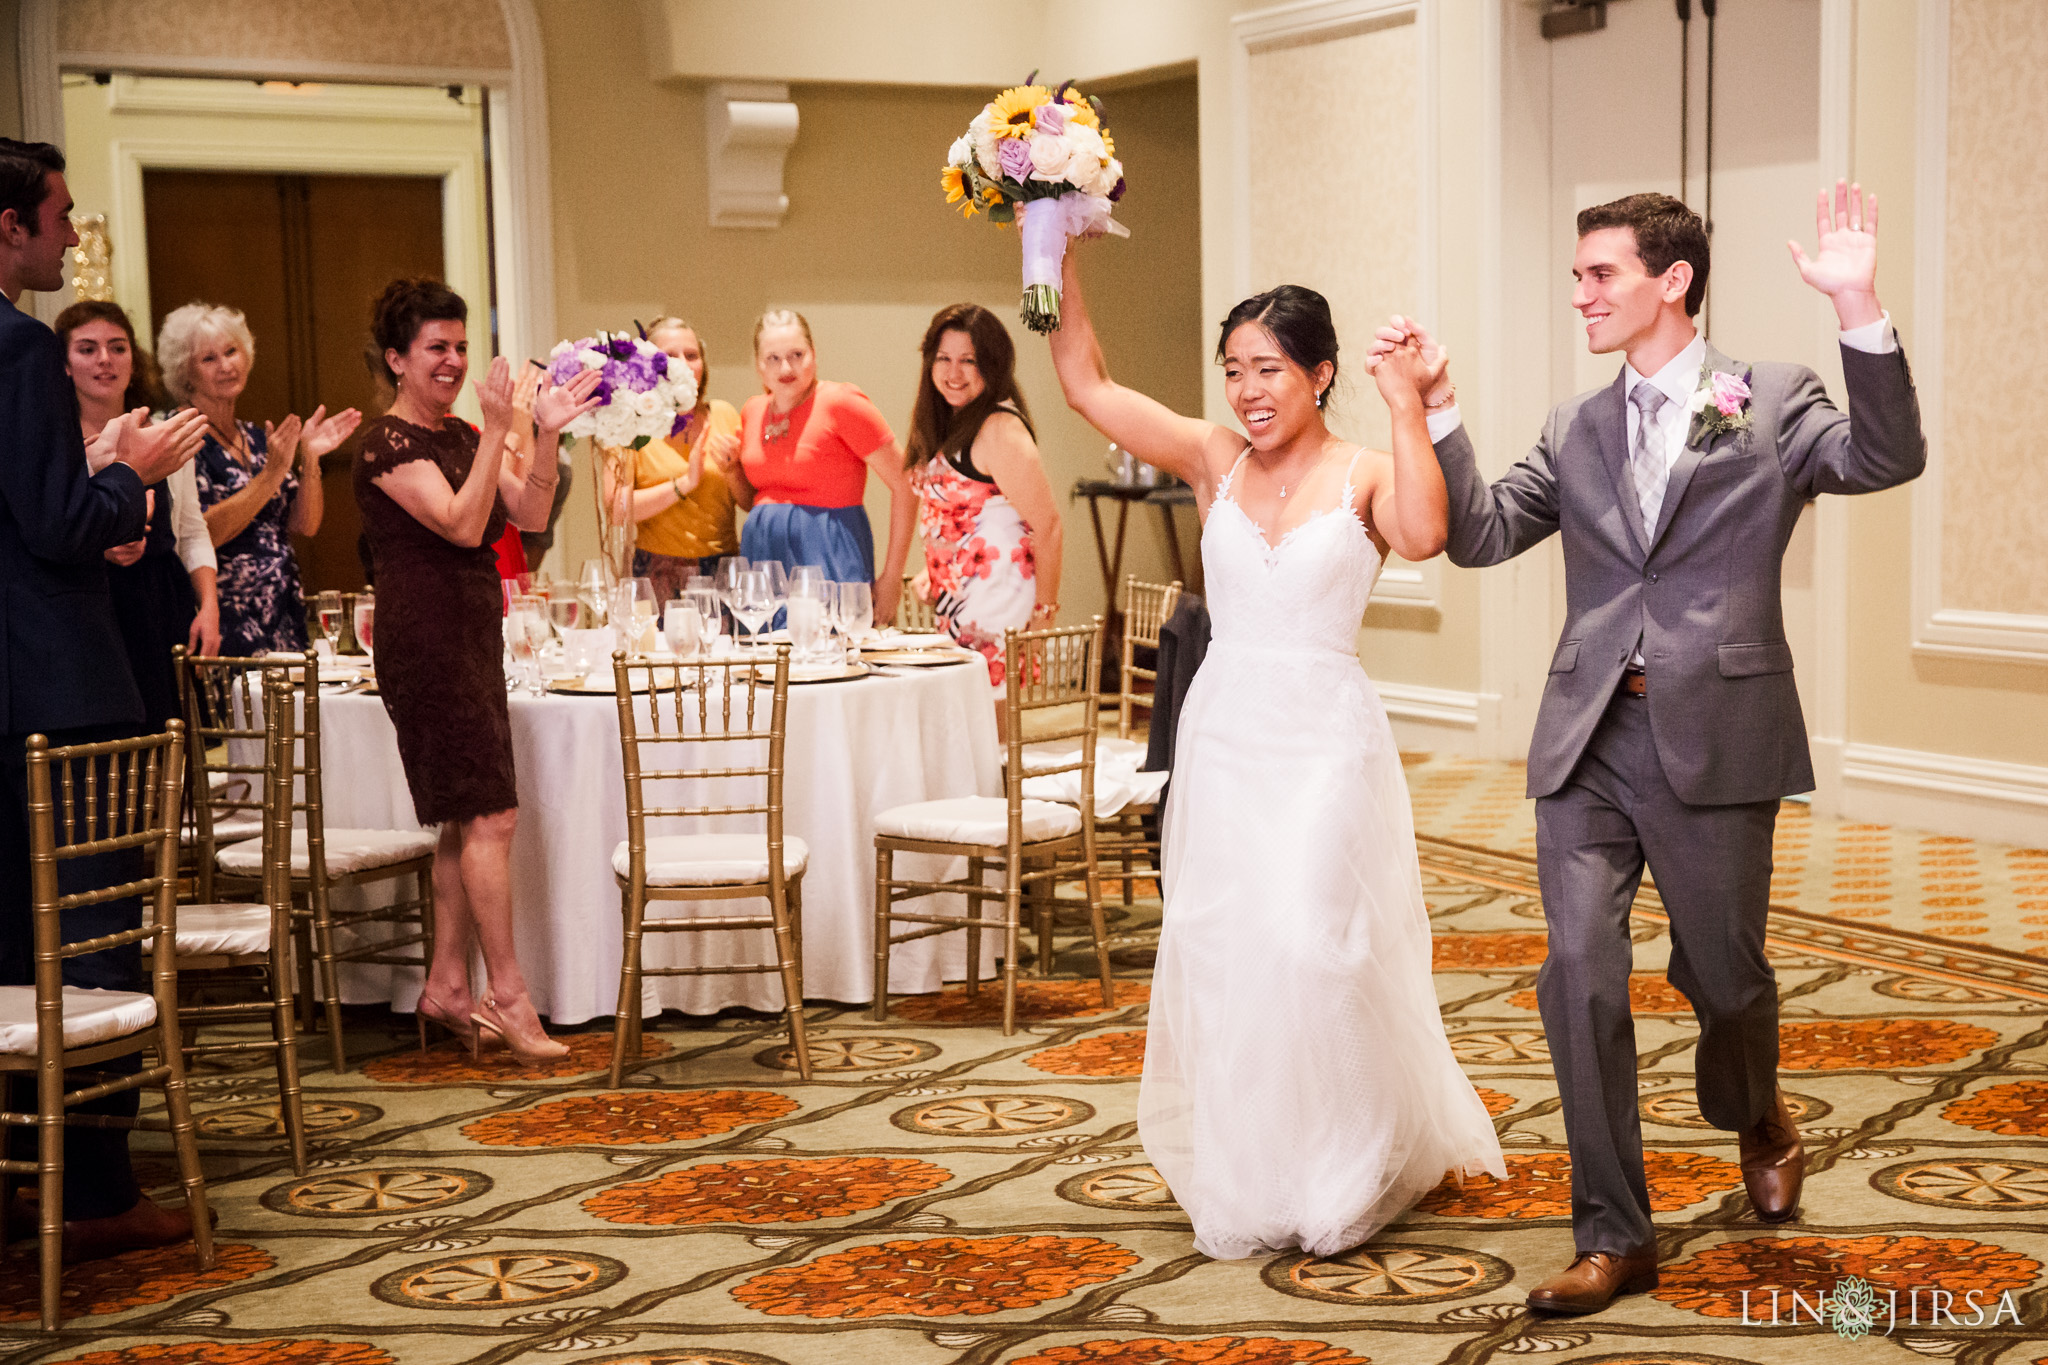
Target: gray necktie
1646, 460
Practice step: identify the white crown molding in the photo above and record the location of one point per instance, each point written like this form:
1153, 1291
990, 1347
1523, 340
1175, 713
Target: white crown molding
279, 68
133, 94
1939, 629
748, 131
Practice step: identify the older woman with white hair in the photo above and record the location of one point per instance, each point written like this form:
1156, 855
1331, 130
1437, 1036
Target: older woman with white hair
256, 496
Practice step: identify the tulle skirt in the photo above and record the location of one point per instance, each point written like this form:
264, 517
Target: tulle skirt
1298, 1088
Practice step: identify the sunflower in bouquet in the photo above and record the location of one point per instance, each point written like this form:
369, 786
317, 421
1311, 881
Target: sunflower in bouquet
1047, 150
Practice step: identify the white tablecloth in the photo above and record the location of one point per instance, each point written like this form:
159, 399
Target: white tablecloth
854, 750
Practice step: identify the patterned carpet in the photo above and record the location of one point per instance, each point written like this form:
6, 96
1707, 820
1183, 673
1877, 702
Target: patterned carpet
942, 1194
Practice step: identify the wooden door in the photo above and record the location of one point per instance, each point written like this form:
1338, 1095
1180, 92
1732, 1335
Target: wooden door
303, 256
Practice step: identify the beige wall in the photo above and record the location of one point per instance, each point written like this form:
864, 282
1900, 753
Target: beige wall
398, 33
1995, 483
867, 252
1898, 697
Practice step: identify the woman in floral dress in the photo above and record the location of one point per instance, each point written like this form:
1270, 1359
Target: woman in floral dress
259, 486
991, 526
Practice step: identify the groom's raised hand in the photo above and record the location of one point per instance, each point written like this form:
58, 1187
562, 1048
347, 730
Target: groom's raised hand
1845, 265
1403, 331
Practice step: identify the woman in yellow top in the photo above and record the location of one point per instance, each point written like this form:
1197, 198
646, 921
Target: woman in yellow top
682, 504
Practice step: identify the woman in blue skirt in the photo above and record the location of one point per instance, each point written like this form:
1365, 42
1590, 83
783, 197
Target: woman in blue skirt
806, 447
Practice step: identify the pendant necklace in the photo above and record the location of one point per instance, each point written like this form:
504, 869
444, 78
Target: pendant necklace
779, 428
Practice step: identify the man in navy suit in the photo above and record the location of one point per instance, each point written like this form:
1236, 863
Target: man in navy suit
63, 671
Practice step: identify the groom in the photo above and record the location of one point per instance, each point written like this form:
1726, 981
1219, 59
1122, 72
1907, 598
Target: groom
1670, 727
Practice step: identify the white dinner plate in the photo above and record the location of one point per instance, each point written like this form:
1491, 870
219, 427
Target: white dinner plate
815, 673
907, 640
918, 658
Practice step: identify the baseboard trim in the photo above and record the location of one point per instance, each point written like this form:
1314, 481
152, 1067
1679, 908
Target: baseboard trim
1945, 793
1430, 705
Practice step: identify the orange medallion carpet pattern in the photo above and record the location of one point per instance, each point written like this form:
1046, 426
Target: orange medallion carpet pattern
941, 1194
937, 1277
767, 1191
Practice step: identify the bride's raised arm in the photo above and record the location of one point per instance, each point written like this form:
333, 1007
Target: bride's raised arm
1188, 447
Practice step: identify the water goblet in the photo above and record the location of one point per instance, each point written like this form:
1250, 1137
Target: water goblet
683, 626
753, 604
365, 621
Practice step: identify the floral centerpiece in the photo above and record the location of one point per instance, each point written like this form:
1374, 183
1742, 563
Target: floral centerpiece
640, 397
1048, 150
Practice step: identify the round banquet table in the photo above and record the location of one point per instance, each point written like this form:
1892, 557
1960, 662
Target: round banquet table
854, 749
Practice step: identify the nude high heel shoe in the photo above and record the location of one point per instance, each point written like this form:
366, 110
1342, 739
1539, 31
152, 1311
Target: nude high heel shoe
462, 1027
533, 1048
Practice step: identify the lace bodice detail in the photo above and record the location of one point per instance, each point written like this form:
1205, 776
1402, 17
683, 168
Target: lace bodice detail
1308, 591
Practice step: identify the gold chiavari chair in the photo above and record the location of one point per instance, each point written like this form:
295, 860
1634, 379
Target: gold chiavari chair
222, 708
1146, 609
89, 800
913, 613
670, 714
246, 948
1052, 692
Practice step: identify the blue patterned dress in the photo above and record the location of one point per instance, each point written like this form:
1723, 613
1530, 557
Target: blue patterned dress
261, 607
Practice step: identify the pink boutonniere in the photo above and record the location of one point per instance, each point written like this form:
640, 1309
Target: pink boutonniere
1720, 404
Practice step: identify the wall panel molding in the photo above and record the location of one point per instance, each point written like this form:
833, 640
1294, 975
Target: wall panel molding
1940, 629
1979, 798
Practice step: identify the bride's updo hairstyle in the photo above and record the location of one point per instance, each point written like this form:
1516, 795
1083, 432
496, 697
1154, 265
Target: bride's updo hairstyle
1299, 319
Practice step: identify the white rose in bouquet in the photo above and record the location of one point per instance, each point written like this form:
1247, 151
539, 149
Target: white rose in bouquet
981, 131
1052, 155
962, 151
1092, 169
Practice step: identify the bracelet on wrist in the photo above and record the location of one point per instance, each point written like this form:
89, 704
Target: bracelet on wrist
1449, 399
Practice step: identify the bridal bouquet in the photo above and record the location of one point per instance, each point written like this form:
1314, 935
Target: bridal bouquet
640, 397
1046, 149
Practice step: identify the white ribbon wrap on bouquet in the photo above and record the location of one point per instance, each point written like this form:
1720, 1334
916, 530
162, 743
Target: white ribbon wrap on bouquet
1046, 224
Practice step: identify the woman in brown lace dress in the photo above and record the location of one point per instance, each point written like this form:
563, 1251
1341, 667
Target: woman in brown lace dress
435, 496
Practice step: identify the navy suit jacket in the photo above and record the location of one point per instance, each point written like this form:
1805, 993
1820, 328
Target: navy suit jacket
62, 664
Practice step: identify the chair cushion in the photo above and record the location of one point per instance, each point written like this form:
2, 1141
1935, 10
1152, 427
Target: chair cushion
211, 930
348, 851
1056, 753
89, 1017
228, 829
711, 859
980, 820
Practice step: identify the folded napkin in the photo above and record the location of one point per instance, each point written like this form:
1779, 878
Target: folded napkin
1118, 781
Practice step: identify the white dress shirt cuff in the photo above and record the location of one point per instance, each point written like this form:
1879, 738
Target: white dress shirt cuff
1874, 337
1443, 422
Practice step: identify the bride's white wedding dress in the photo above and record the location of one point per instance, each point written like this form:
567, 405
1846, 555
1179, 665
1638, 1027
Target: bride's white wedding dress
1298, 1088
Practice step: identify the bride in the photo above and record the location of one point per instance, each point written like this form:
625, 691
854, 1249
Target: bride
1298, 1088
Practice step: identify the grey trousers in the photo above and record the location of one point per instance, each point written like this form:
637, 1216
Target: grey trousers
1712, 865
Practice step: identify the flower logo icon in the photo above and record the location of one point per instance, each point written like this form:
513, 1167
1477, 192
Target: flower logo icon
1853, 1310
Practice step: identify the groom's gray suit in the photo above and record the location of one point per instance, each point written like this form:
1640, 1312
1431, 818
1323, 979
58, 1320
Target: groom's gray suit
1687, 775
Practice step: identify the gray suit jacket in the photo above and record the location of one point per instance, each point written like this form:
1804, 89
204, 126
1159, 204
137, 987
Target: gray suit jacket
1701, 589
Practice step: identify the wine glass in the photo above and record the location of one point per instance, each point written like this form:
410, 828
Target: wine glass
778, 584
565, 611
702, 594
754, 602
857, 609
365, 622
527, 632
327, 613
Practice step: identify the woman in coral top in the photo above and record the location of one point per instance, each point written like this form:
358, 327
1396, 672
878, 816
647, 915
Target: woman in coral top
806, 446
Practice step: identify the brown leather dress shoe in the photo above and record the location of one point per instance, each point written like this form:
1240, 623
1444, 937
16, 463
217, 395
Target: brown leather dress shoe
146, 1225
1593, 1280
1773, 1163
